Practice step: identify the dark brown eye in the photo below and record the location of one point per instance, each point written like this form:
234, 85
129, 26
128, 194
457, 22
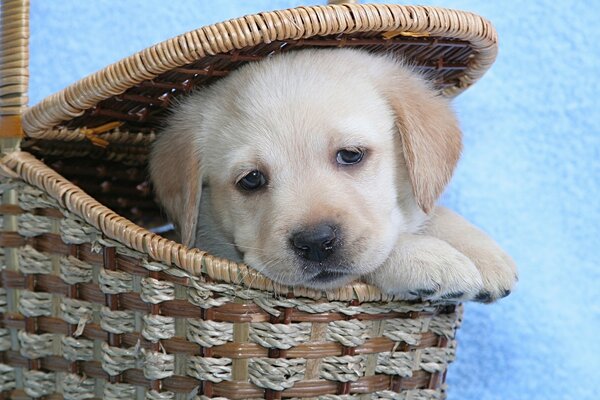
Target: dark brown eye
254, 180
349, 157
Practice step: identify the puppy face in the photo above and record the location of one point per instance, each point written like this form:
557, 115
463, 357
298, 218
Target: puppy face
307, 198
307, 157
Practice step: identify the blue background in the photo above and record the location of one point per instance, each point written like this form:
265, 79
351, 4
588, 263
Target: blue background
530, 172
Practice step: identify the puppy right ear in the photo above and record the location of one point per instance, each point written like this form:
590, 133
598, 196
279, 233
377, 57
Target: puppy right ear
176, 173
430, 135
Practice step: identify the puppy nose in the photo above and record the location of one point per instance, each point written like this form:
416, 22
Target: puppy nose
316, 243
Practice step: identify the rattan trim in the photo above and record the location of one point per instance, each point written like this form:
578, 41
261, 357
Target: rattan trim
293, 24
195, 261
14, 56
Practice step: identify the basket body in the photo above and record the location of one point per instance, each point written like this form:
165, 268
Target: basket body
95, 306
87, 317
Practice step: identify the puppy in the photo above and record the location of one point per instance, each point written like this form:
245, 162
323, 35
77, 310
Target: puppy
319, 167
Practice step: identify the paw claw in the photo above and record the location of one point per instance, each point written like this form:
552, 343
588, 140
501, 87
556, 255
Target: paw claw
452, 295
484, 297
422, 292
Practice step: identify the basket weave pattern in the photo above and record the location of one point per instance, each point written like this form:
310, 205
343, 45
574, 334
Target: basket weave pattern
89, 317
95, 306
92, 129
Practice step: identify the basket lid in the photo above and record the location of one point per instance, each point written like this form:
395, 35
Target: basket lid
91, 129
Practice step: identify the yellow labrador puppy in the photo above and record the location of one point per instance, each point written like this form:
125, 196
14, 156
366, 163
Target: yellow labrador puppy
319, 167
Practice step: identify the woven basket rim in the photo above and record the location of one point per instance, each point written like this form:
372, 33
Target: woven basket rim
251, 30
22, 165
98, 306
299, 23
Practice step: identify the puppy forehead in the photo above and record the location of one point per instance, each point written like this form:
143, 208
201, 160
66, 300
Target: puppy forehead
304, 137
309, 141
285, 110
313, 115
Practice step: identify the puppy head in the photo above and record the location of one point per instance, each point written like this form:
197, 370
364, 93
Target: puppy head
316, 161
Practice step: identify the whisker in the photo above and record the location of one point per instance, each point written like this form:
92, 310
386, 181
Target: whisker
238, 246
266, 265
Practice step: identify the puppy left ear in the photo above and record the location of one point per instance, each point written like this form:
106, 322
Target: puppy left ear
176, 173
430, 135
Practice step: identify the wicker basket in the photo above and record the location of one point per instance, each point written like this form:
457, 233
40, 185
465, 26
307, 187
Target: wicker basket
96, 306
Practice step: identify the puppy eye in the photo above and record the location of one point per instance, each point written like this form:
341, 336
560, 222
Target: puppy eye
254, 180
349, 157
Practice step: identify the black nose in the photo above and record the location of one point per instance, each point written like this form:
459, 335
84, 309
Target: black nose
315, 243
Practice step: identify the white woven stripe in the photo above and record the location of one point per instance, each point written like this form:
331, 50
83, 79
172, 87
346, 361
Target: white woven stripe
32, 261
31, 197
280, 336
434, 359
73, 311
343, 369
5, 342
77, 349
153, 266
77, 387
158, 327
30, 225
7, 378
115, 282
350, 333
74, 271
200, 295
38, 383
74, 231
444, 325
276, 373
209, 333
35, 304
117, 321
210, 369
404, 330
154, 395
395, 363
155, 291
34, 345
118, 391
115, 360
3, 298
270, 305
158, 365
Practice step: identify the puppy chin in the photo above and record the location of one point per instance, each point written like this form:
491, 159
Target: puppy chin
288, 272
328, 280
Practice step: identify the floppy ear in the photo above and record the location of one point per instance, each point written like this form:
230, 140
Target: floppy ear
176, 173
430, 136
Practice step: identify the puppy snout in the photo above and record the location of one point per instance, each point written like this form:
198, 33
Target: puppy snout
316, 243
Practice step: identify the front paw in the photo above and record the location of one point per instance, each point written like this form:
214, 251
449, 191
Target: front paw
498, 272
423, 267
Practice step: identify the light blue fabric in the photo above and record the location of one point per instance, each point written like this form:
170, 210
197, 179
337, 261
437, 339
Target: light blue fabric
530, 172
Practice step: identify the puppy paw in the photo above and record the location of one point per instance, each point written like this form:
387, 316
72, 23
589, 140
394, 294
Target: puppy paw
423, 267
498, 273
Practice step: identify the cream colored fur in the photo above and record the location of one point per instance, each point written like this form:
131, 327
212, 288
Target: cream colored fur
288, 116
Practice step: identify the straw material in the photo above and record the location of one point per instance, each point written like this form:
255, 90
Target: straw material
458, 46
194, 261
14, 58
97, 132
94, 305
90, 316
